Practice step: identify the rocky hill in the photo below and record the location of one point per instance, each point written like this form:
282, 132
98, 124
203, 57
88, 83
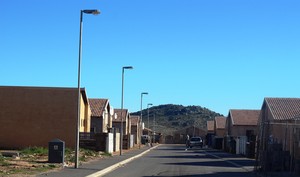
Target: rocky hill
169, 117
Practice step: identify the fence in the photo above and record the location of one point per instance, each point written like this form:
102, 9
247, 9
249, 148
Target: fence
278, 147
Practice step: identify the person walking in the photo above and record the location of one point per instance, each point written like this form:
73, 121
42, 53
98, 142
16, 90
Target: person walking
187, 142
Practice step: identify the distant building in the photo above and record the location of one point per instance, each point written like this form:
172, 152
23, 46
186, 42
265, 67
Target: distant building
135, 128
210, 132
33, 116
241, 127
122, 117
219, 129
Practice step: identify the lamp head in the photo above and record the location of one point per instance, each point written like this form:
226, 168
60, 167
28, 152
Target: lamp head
91, 11
127, 67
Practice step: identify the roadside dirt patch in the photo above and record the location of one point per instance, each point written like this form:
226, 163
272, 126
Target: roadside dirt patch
33, 164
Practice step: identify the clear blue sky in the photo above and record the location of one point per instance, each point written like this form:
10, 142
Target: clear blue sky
217, 54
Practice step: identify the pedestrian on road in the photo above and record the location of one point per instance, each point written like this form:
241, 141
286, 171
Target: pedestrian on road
187, 142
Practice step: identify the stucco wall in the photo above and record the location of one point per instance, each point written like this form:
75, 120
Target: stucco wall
242, 129
32, 116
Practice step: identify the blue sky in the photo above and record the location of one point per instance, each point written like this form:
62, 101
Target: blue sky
217, 54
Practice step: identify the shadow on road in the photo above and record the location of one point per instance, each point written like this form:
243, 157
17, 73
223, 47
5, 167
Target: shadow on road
222, 174
234, 161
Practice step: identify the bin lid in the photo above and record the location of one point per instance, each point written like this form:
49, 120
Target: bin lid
56, 141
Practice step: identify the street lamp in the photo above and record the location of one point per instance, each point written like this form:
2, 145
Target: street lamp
149, 104
122, 100
94, 12
143, 93
154, 127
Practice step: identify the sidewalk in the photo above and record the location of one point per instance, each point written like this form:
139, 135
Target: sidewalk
92, 168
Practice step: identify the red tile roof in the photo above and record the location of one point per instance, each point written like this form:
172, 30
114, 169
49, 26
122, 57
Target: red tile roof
97, 106
284, 108
220, 122
244, 117
210, 125
124, 114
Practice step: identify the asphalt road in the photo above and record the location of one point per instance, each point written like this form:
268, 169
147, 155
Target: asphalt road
174, 160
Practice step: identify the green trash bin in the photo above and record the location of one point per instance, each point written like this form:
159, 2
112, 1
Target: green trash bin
56, 151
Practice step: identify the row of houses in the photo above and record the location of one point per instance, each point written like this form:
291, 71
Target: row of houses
271, 135
33, 116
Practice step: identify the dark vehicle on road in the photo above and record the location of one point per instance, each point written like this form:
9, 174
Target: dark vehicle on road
196, 142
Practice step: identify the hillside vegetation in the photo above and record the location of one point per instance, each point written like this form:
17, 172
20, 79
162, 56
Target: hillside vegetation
169, 117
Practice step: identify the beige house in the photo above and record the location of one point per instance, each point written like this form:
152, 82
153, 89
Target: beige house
210, 126
135, 128
219, 126
102, 115
241, 128
125, 116
210, 132
241, 122
33, 116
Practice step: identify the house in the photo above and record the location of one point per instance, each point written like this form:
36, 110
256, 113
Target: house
210, 126
135, 128
123, 116
102, 115
210, 132
219, 126
33, 116
219, 129
278, 137
241, 127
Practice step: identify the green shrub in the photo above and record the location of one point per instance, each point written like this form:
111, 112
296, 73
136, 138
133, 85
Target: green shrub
35, 151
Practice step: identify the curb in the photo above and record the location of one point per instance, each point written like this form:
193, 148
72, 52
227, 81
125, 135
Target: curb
117, 165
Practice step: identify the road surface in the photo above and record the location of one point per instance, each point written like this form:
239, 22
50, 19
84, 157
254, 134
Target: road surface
174, 160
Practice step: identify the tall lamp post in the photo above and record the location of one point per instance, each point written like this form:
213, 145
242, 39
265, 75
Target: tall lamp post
143, 93
122, 102
94, 12
149, 104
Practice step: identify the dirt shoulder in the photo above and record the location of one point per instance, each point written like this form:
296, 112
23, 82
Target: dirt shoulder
31, 163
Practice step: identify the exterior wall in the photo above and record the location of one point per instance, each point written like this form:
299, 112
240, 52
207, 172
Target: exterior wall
134, 131
220, 133
117, 125
278, 131
105, 120
96, 124
33, 116
228, 127
85, 116
241, 130
128, 125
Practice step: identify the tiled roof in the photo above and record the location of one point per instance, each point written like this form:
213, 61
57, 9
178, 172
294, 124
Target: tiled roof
244, 117
134, 120
118, 112
97, 106
220, 122
210, 125
284, 108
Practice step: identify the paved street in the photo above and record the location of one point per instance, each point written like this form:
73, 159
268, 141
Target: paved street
173, 160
